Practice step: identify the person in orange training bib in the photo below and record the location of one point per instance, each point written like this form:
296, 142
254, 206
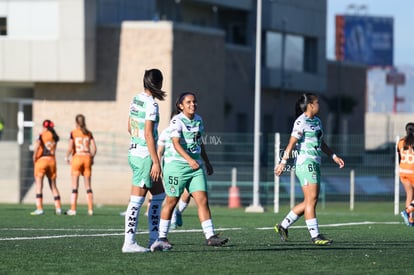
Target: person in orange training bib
80, 154
45, 165
406, 159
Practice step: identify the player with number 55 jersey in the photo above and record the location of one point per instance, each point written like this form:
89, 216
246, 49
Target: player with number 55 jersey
82, 149
185, 167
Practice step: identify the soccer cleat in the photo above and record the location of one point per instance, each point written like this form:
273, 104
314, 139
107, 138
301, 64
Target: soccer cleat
321, 240
215, 240
405, 217
90, 212
37, 212
179, 221
173, 226
411, 219
70, 212
161, 244
283, 233
134, 248
58, 212
150, 242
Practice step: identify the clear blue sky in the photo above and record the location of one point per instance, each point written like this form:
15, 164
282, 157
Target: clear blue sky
401, 10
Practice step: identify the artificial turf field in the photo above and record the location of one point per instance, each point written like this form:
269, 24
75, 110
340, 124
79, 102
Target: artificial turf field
368, 240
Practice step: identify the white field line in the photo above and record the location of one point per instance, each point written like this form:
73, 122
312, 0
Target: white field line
87, 235
58, 237
146, 232
335, 224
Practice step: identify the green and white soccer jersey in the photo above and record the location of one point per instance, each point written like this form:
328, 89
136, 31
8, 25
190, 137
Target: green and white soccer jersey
178, 174
309, 133
143, 107
189, 131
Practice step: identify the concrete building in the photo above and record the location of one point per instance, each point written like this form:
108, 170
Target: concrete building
59, 58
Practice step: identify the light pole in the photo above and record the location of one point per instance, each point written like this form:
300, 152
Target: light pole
282, 60
283, 95
255, 206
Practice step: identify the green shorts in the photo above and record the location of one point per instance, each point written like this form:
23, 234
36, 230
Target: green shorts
179, 175
141, 169
308, 173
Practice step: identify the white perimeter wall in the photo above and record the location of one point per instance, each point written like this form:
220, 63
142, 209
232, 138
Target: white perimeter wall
384, 127
48, 40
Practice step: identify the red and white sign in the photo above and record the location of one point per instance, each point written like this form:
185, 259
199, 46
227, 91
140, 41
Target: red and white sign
395, 78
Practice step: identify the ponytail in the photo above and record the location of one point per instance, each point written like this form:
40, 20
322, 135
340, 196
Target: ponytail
153, 82
81, 121
303, 101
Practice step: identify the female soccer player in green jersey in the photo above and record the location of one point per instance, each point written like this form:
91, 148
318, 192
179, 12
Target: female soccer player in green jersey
143, 160
307, 137
184, 169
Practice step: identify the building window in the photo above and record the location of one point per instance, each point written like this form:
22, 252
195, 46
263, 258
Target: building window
242, 123
311, 55
234, 22
3, 26
236, 34
205, 14
273, 48
293, 51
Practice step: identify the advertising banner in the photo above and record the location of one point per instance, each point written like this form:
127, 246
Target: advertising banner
366, 40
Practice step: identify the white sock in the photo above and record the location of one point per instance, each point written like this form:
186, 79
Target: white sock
131, 218
290, 219
174, 216
154, 215
208, 228
182, 205
313, 227
163, 228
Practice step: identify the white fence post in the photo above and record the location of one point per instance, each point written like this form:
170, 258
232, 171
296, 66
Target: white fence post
276, 178
396, 180
292, 188
233, 177
351, 190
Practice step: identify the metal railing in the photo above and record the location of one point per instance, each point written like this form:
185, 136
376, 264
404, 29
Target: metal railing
373, 170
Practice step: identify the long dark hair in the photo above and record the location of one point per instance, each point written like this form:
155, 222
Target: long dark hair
303, 101
49, 125
180, 101
81, 121
153, 82
409, 138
